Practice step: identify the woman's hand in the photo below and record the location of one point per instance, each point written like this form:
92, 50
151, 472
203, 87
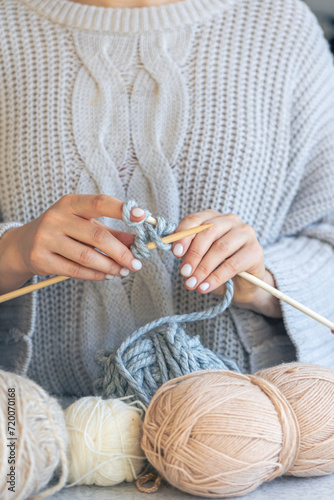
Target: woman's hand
65, 241
220, 253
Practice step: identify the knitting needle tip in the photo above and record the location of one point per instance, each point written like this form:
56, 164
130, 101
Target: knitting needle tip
151, 220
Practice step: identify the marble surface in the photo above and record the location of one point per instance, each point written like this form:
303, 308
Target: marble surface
287, 488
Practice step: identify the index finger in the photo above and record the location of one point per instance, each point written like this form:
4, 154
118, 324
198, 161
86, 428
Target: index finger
181, 246
91, 206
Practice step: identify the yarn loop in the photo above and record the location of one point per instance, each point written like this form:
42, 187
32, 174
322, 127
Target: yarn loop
146, 232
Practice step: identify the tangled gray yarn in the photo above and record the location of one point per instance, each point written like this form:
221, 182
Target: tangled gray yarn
160, 350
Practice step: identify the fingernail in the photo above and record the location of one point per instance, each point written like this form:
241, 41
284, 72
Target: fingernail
178, 250
186, 270
136, 264
191, 282
124, 271
204, 287
109, 276
138, 212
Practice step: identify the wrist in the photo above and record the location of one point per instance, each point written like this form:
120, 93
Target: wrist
261, 301
13, 270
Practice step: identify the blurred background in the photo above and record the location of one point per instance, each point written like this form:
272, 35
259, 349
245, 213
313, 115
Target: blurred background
324, 10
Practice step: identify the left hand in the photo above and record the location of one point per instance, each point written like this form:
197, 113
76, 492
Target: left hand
219, 253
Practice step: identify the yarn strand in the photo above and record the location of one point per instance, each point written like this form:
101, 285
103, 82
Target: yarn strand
146, 232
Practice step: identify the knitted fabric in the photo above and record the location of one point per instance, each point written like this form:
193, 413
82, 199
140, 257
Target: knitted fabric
221, 104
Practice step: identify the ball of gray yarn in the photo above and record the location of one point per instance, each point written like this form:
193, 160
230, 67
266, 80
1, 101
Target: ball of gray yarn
33, 436
156, 353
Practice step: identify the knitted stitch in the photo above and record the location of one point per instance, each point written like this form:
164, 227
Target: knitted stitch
146, 232
221, 104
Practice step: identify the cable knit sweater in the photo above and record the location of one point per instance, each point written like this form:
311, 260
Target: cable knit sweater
223, 104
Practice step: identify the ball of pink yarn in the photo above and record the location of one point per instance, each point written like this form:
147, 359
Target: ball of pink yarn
218, 433
310, 391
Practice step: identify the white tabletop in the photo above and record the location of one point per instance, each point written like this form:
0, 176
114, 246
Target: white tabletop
286, 488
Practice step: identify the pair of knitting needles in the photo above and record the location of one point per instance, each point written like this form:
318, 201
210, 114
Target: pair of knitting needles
170, 239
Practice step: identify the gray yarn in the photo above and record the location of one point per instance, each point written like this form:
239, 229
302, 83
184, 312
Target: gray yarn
146, 232
153, 355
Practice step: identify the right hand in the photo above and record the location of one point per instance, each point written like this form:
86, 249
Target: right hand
64, 239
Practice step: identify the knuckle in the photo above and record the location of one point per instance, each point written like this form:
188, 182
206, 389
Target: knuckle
203, 269
222, 246
98, 202
193, 218
216, 279
233, 265
233, 218
97, 276
65, 200
52, 217
249, 230
112, 269
74, 270
192, 252
212, 231
49, 216
99, 235
85, 256
211, 211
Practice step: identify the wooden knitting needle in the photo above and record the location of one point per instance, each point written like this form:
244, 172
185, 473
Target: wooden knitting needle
276, 293
58, 279
280, 295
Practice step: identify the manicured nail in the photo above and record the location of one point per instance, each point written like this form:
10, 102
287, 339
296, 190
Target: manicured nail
109, 276
124, 272
186, 270
138, 212
204, 287
136, 264
191, 282
178, 250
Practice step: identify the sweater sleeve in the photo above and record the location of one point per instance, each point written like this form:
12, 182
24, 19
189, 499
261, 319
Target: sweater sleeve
302, 258
17, 318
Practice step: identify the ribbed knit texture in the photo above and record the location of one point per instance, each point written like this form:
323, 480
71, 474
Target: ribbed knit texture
199, 104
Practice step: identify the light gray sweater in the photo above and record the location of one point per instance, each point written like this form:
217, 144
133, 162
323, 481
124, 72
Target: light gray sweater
223, 104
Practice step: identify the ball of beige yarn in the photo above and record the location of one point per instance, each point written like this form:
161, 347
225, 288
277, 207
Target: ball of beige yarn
218, 433
310, 391
33, 439
105, 440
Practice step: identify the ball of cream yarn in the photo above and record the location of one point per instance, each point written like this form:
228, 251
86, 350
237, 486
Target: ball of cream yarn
218, 433
310, 391
104, 441
34, 435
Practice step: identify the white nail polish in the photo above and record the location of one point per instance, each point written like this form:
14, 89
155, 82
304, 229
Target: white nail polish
186, 270
191, 282
178, 250
138, 212
204, 287
124, 272
136, 264
109, 276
